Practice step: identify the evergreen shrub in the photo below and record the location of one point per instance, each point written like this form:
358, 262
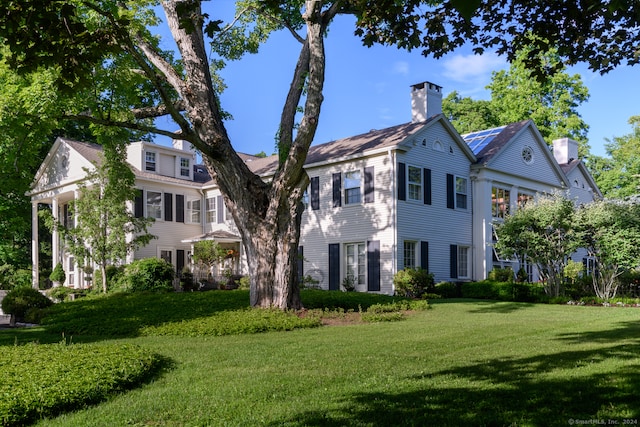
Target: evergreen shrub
19, 301
148, 275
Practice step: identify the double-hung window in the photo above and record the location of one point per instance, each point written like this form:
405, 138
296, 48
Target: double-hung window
414, 183
500, 201
352, 187
154, 204
355, 262
212, 215
193, 211
463, 262
409, 255
185, 167
461, 192
150, 161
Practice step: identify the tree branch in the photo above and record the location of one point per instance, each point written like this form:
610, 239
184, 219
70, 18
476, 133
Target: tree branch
123, 124
157, 111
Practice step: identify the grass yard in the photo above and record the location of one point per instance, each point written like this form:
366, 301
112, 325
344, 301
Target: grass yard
461, 363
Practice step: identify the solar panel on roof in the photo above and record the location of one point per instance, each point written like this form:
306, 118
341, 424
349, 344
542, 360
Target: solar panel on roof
477, 141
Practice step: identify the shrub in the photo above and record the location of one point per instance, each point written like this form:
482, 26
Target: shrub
348, 284
43, 380
501, 274
11, 278
485, 289
149, 274
57, 275
114, 275
60, 293
447, 290
19, 301
412, 283
629, 283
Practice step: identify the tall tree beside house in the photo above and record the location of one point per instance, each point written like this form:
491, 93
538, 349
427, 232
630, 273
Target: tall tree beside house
517, 95
79, 37
618, 175
610, 232
545, 234
107, 229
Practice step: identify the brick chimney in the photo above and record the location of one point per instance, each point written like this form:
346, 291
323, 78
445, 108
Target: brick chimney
426, 101
565, 150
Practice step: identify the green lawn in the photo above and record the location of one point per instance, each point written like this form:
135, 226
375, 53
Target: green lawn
461, 363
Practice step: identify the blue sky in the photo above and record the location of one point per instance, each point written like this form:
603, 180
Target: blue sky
369, 88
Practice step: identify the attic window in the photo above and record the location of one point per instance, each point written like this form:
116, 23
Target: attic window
437, 145
150, 161
527, 154
450, 150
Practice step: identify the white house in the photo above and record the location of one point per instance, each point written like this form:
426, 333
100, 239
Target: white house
414, 195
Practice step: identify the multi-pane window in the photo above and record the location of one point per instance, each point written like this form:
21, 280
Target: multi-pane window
463, 262
154, 204
211, 210
409, 255
355, 262
352, 184
150, 161
193, 211
523, 199
166, 255
461, 192
305, 199
500, 201
414, 183
185, 166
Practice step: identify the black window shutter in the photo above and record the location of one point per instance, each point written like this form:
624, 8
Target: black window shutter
334, 266
373, 265
179, 208
168, 207
450, 192
402, 181
427, 186
138, 207
424, 255
315, 193
369, 185
179, 260
220, 207
300, 264
337, 190
453, 261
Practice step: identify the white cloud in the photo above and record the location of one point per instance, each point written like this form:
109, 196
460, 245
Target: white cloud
472, 68
401, 67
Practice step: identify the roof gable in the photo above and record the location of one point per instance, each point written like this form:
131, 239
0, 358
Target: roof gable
65, 163
506, 152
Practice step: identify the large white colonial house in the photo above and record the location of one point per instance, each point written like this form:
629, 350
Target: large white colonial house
414, 195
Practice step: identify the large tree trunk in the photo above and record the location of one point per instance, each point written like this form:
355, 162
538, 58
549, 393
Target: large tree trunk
267, 215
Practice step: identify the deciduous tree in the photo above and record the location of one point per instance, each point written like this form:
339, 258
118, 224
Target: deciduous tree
107, 230
80, 38
543, 232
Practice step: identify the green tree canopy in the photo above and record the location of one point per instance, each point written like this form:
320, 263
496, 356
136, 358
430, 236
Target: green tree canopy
515, 95
618, 175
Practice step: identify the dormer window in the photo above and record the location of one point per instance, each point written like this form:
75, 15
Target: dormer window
150, 161
185, 167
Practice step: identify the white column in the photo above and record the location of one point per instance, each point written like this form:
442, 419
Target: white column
55, 238
35, 247
79, 270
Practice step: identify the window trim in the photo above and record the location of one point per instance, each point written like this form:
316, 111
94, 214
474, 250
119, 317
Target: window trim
359, 187
211, 213
360, 251
186, 168
495, 204
148, 162
160, 208
412, 245
190, 211
457, 193
419, 186
463, 266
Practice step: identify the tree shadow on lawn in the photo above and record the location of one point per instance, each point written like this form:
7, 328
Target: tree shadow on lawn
505, 391
487, 306
123, 315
